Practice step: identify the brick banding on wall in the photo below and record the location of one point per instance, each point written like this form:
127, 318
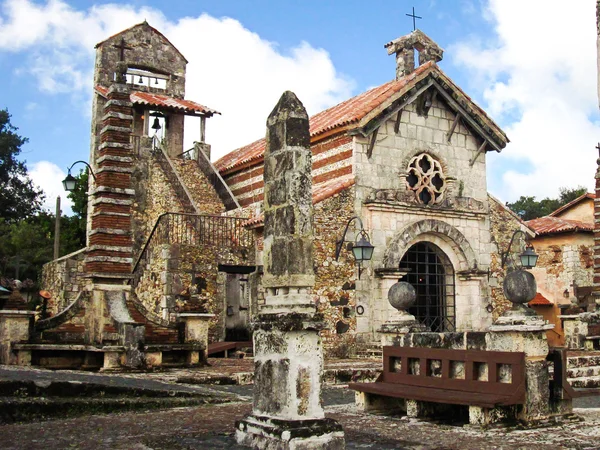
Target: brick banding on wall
113, 192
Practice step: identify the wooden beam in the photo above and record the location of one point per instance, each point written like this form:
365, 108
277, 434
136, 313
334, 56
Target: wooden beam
481, 150
202, 129
398, 119
372, 142
451, 131
378, 120
465, 116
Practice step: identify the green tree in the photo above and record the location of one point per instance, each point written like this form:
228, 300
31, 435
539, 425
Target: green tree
528, 208
19, 198
79, 196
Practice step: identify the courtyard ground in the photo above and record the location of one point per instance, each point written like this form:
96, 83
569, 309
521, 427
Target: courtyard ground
212, 426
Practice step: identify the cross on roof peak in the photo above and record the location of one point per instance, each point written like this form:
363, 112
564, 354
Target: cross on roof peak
413, 18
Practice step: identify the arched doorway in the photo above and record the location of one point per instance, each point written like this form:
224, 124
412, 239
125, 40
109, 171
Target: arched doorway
432, 275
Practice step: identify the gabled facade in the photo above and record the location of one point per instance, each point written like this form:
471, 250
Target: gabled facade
412, 153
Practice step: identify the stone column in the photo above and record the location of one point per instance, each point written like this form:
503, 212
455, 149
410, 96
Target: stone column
288, 364
596, 279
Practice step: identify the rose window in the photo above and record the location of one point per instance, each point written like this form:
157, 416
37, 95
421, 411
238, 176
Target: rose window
426, 179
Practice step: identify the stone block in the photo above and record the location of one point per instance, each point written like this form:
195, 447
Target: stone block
112, 360
153, 359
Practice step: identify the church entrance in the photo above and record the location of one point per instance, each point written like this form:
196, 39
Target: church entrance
432, 275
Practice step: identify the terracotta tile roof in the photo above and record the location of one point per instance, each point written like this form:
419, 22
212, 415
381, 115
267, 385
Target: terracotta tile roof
363, 107
572, 203
143, 24
540, 300
555, 225
163, 102
320, 192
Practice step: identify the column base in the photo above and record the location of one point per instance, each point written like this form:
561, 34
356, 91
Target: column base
265, 433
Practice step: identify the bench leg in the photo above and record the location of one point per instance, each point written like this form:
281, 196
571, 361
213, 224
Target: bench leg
24, 358
193, 358
370, 402
485, 416
153, 359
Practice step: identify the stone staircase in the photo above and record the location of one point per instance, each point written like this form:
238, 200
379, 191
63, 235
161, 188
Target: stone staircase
583, 369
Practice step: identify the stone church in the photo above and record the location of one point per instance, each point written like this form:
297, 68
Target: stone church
409, 159
175, 241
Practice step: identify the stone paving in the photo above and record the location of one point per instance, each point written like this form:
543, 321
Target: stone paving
211, 426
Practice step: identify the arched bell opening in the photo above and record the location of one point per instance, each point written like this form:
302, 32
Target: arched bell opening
432, 275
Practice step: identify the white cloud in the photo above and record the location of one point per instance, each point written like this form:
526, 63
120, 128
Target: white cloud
538, 76
230, 68
48, 176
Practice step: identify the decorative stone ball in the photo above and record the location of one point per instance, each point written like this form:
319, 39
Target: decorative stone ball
520, 286
402, 295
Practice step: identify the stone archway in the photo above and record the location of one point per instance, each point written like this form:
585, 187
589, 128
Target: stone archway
446, 232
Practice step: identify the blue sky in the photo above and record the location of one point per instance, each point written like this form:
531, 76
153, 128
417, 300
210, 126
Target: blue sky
510, 56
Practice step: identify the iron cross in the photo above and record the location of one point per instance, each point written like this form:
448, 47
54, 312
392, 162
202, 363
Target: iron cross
414, 17
122, 47
598, 147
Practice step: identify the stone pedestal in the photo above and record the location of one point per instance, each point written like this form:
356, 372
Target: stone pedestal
14, 328
401, 296
288, 362
400, 324
196, 332
521, 330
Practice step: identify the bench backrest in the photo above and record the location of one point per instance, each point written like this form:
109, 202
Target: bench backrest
500, 373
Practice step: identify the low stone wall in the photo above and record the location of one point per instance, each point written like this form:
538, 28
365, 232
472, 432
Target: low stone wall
538, 404
63, 278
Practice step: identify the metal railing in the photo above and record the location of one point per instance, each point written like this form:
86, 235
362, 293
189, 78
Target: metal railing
198, 230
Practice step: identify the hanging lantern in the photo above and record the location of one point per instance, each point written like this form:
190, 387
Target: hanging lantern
156, 124
156, 81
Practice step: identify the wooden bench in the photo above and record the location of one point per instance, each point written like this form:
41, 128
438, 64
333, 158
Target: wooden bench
461, 377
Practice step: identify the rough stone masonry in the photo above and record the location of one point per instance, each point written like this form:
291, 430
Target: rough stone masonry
287, 412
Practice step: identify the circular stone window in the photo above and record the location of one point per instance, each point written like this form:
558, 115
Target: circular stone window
426, 179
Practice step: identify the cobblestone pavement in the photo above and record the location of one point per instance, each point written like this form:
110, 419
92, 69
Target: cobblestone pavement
211, 427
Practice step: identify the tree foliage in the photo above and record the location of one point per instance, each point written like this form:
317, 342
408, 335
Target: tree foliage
19, 198
528, 208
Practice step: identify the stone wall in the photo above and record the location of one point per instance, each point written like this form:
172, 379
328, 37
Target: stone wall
564, 261
63, 278
154, 196
503, 224
202, 192
335, 280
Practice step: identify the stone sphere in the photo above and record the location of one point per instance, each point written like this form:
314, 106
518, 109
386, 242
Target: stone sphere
402, 295
520, 286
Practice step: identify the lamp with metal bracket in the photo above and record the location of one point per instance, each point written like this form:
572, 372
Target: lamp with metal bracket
362, 249
70, 182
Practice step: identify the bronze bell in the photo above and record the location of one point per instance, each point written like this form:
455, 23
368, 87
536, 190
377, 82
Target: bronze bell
156, 124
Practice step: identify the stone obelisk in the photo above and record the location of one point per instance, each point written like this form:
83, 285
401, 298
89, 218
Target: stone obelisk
287, 411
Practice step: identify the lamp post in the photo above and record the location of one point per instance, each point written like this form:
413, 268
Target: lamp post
70, 182
362, 249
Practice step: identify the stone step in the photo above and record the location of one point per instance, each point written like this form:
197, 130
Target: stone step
585, 382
